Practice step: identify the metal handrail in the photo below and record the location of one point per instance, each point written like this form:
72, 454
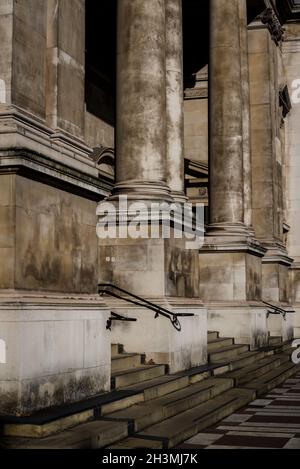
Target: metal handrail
117, 317
278, 310
139, 301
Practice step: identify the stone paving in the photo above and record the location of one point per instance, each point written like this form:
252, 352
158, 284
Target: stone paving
269, 423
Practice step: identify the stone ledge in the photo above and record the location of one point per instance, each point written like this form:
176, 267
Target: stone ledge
36, 166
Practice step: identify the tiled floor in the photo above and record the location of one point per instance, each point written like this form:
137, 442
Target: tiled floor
272, 422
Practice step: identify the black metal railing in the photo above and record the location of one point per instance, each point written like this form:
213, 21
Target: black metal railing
117, 317
277, 310
116, 292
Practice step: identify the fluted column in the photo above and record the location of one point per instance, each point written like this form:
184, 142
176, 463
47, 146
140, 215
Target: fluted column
141, 100
174, 99
226, 118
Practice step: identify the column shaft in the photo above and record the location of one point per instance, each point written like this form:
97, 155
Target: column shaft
225, 120
246, 114
141, 99
174, 99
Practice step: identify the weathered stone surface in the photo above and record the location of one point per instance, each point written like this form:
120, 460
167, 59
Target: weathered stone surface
225, 116
65, 65
56, 242
58, 351
29, 55
141, 95
174, 99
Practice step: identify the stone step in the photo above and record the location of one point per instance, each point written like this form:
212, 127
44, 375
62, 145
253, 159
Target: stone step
145, 391
227, 353
177, 429
212, 335
273, 378
257, 369
91, 435
161, 386
125, 361
137, 443
116, 349
217, 344
42, 430
136, 375
287, 347
156, 410
245, 359
275, 340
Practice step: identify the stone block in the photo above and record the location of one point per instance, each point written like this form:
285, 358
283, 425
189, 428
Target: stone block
56, 248
29, 54
159, 340
58, 352
247, 324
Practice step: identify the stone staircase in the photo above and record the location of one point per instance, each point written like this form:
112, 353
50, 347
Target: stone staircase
149, 408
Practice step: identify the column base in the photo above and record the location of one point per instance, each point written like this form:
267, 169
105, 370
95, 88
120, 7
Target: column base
230, 269
142, 190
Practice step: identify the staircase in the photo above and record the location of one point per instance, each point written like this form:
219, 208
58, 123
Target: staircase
148, 408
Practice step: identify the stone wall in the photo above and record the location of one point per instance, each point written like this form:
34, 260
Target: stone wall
48, 238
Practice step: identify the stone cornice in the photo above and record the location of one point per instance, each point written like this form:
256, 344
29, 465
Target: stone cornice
43, 169
21, 129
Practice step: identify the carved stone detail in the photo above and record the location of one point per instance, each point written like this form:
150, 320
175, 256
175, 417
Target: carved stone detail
270, 18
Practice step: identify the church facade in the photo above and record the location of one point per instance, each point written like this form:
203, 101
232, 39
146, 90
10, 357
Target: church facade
171, 102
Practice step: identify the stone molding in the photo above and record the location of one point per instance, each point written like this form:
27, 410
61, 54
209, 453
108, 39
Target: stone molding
29, 147
35, 166
234, 244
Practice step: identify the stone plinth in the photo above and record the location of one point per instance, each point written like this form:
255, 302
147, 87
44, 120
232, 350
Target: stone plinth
57, 351
157, 338
245, 321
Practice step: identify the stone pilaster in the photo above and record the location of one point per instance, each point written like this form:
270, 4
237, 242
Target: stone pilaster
23, 53
65, 66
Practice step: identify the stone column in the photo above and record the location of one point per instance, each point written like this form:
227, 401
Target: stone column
230, 260
174, 99
246, 115
141, 100
225, 118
